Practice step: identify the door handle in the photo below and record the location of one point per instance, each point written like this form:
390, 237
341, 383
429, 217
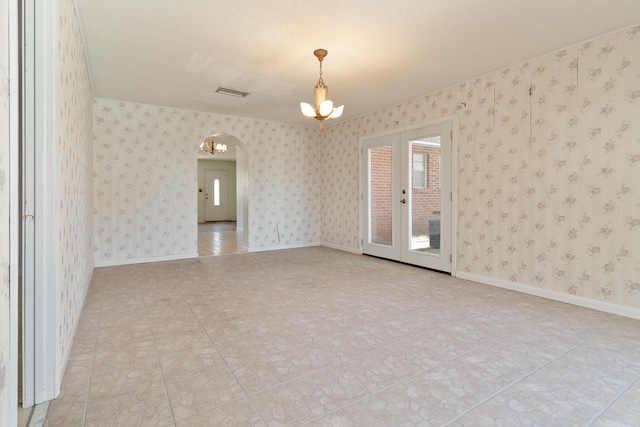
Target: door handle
403, 201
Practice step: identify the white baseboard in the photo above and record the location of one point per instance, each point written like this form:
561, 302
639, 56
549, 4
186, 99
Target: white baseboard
278, 247
607, 307
144, 260
342, 248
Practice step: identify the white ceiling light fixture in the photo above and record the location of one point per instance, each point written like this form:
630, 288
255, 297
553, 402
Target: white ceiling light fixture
324, 107
208, 146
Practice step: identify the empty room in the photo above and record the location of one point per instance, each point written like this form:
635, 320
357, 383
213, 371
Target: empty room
197, 232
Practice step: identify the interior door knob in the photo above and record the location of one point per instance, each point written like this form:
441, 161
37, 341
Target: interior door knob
403, 201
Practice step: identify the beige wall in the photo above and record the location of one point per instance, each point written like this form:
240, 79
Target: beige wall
548, 183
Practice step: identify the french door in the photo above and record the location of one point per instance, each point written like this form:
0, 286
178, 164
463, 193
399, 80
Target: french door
407, 196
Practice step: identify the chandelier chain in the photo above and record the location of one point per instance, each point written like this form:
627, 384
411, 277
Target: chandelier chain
320, 81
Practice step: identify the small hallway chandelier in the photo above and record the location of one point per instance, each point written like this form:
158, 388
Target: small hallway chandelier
208, 146
324, 107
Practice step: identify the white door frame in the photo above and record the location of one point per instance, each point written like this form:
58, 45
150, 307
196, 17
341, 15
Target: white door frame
364, 184
28, 199
39, 95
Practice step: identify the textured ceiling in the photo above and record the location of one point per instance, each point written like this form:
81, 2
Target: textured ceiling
177, 53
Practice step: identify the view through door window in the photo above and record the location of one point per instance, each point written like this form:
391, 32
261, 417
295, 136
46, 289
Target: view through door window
425, 195
381, 195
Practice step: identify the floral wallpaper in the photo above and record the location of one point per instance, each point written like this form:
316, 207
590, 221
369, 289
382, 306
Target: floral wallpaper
5, 319
75, 189
548, 170
145, 180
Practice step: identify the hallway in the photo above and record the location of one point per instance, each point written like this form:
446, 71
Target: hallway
220, 238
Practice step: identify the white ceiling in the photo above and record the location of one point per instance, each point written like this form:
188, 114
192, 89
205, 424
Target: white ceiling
178, 52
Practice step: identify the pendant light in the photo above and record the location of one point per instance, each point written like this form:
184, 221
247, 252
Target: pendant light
324, 107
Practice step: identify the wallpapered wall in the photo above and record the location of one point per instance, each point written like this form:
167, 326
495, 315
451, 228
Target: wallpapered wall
548, 183
75, 185
5, 398
145, 181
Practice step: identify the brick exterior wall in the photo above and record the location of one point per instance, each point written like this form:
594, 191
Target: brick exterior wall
426, 201
381, 195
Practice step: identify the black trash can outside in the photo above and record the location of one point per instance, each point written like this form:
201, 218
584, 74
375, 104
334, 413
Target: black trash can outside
434, 233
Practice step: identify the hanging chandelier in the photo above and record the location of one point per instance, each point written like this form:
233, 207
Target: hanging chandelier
324, 107
208, 146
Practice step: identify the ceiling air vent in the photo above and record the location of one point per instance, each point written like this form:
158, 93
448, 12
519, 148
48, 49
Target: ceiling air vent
231, 92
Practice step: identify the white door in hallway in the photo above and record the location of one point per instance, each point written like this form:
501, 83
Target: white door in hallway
216, 195
407, 197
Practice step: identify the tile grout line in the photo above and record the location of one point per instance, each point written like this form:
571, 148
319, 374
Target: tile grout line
511, 384
441, 363
341, 408
228, 368
302, 375
93, 363
613, 400
155, 349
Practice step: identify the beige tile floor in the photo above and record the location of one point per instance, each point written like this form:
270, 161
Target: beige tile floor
220, 238
319, 337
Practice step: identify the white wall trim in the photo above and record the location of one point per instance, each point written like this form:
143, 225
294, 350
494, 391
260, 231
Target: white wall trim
278, 247
47, 377
343, 248
607, 307
145, 260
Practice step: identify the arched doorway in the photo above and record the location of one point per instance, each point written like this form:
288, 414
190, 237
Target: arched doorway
223, 191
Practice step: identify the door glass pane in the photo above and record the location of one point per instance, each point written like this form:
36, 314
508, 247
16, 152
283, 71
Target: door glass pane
216, 192
419, 170
425, 195
380, 195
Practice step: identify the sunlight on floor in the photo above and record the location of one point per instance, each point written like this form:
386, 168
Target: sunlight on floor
220, 238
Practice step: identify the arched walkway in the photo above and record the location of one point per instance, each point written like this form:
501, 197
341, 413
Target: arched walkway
228, 237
